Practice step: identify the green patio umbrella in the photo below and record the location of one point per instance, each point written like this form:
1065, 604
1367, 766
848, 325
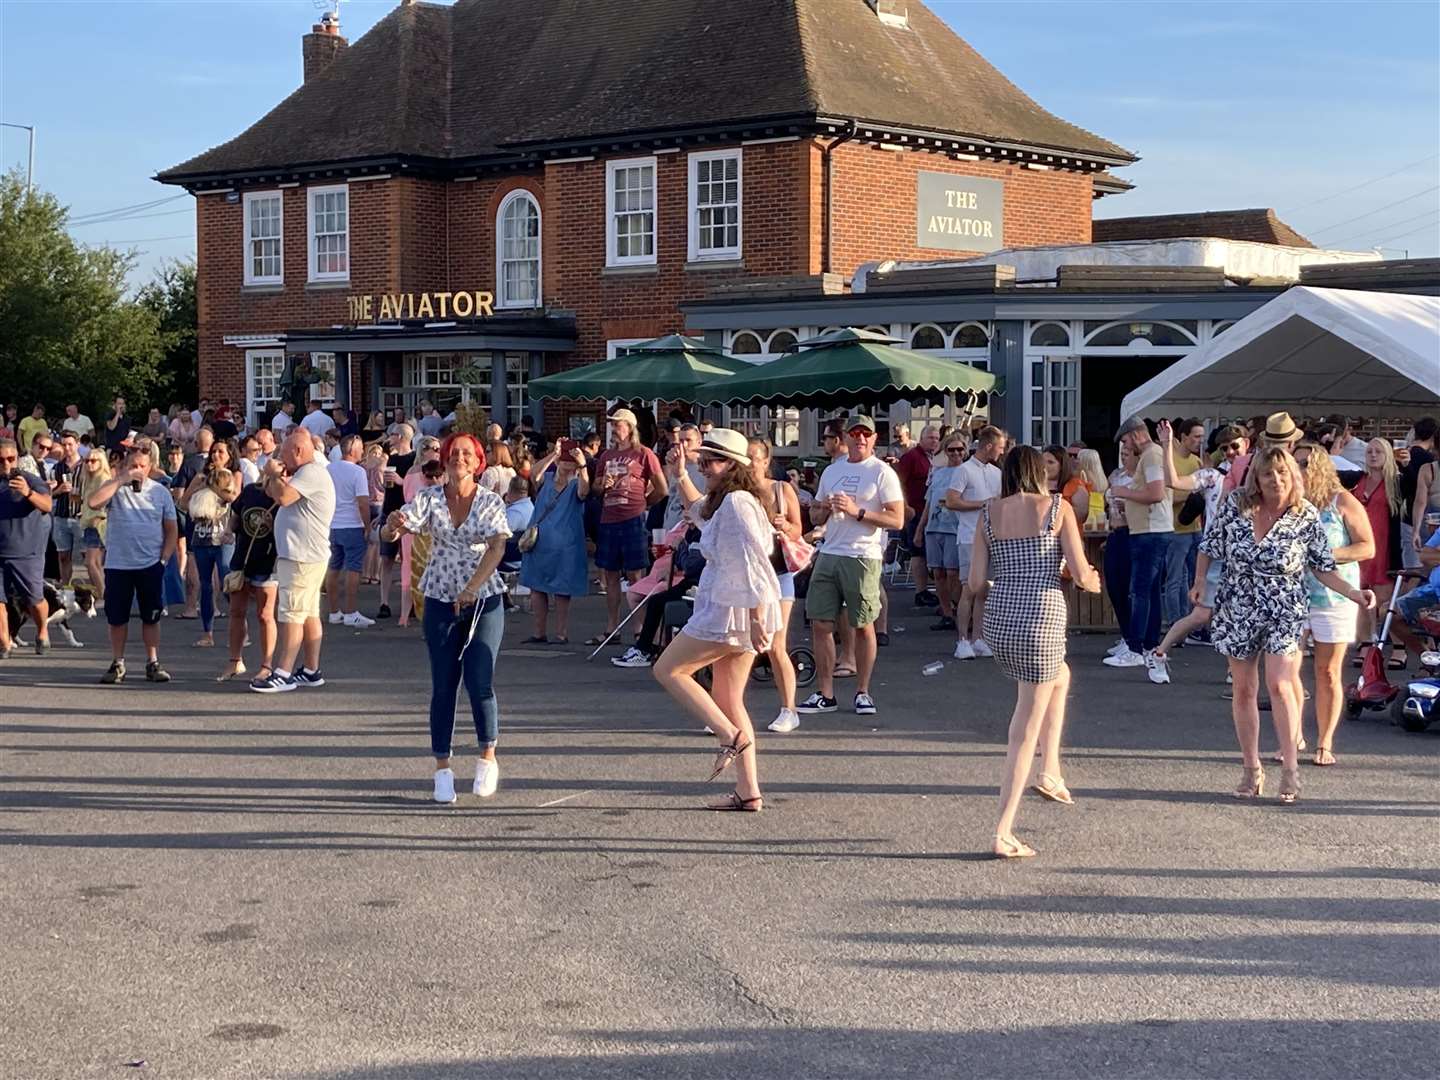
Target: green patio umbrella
668, 368
850, 367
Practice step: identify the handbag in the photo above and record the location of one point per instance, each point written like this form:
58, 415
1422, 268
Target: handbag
531, 536
791, 554
234, 581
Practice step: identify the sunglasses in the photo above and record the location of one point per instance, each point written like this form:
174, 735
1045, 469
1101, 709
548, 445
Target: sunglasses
954, 449
1072, 453
1236, 446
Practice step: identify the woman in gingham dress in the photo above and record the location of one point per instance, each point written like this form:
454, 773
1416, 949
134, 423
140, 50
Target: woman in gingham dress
464, 616
1016, 569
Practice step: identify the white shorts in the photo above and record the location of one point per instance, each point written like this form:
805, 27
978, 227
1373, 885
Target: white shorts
1334, 625
787, 586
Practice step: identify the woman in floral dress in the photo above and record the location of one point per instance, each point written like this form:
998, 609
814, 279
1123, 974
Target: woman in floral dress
1268, 536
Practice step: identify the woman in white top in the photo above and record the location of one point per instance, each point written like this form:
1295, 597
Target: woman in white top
737, 609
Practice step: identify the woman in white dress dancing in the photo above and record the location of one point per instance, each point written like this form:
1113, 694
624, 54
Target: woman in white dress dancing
737, 609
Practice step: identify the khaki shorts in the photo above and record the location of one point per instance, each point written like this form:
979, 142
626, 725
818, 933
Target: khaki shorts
299, 590
840, 581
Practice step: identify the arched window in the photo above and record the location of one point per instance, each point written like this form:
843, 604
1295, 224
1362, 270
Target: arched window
744, 344
1048, 334
517, 252
927, 337
780, 341
972, 336
1220, 327
1132, 334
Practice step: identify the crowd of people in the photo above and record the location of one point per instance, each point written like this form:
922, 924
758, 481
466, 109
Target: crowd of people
1273, 541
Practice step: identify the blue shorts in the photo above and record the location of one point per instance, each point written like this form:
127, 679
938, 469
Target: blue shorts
92, 539
23, 579
623, 545
347, 549
1417, 600
942, 551
69, 535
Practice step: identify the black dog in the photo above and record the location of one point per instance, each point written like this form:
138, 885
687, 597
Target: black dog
64, 605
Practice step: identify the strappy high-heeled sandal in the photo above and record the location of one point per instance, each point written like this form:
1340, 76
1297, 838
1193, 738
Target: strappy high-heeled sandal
1252, 784
734, 802
726, 755
1289, 785
1054, 789
1011, 848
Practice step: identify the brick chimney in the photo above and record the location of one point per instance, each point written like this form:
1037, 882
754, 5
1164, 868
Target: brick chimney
322, 45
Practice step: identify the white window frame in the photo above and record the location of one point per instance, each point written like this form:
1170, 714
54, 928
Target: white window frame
314, 273
612, 243
501, 299
251, 278
253, 403
694, 208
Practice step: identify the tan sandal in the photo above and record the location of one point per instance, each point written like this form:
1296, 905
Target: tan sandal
1054, 789
1289, 785
1010, 848
734, 802
1252, 784
1323, 756
233, 670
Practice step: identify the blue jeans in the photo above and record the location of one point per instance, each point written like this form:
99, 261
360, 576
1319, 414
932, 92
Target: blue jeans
1179, 575
208, 558
445, 635
1117, 575
1147, 568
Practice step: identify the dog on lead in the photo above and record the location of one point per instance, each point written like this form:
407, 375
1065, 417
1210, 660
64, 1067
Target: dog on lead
64, 605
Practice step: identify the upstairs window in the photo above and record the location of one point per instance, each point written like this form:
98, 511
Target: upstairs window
518, 252
630, 212
715, 205
329, 233
264, 244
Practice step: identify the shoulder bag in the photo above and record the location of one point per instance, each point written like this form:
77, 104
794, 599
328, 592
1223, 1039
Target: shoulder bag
792, 554
531, 536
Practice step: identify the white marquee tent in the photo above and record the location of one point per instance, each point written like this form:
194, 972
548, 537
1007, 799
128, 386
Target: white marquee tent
1309, 350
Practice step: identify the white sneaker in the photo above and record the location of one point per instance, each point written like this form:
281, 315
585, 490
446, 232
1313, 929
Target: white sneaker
444, 785
980, 649
357, 620
1125, 658
1157, 668
487, 778
964, 650
336, 618
1117, 648
788, 720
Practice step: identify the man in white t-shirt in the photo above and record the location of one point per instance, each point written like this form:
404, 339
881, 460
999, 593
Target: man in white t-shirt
973, 483
305, 498
858, 500
1150, 516
77, 422
347, 533
283, 420
316, 420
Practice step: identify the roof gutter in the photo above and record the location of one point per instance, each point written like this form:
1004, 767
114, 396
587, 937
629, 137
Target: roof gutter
828, 163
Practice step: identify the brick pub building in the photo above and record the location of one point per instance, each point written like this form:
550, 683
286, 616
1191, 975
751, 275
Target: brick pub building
472, 195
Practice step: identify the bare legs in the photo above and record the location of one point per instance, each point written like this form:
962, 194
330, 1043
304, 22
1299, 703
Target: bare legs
724, 713
780, 659
944, 582
1182, 628
95, 571
1281, 680
264, 617
540, 608
310, 633
1329, 695
1039, 707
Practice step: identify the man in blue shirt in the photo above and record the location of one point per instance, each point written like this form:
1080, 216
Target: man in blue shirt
141, 534
1426, 595
24, 528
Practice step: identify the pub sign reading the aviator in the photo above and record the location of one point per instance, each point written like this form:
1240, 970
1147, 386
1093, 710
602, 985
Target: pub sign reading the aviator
959, 213
392, 307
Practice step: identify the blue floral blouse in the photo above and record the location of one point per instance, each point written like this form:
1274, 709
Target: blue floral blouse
456, 553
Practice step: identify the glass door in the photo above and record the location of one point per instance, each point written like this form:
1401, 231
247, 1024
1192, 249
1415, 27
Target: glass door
1054, 400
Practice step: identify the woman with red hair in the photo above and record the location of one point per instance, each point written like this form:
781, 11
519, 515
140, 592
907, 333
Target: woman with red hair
464, 617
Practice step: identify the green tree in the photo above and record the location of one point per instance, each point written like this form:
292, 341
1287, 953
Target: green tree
68, 329
171, 296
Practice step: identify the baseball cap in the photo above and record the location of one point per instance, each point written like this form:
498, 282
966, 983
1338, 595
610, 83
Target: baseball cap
624, 416
862, 423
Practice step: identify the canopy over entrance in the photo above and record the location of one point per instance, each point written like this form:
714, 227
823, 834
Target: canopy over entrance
669, 368
1309, 350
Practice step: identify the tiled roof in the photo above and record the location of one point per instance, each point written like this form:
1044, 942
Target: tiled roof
478, 79
1259, 225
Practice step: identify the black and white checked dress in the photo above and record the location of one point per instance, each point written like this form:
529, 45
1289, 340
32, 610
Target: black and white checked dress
1025, 614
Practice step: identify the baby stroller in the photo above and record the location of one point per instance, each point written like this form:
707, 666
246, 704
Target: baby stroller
677, 613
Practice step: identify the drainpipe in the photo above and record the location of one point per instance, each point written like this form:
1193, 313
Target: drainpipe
829, 165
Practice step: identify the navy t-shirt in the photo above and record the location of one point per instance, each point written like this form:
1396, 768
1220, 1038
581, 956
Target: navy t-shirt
24, 530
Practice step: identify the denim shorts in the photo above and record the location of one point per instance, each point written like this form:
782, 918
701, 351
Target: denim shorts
69, 535
347, 549
92, 539
942, 551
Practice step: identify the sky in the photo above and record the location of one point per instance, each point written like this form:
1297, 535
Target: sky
1327, 112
